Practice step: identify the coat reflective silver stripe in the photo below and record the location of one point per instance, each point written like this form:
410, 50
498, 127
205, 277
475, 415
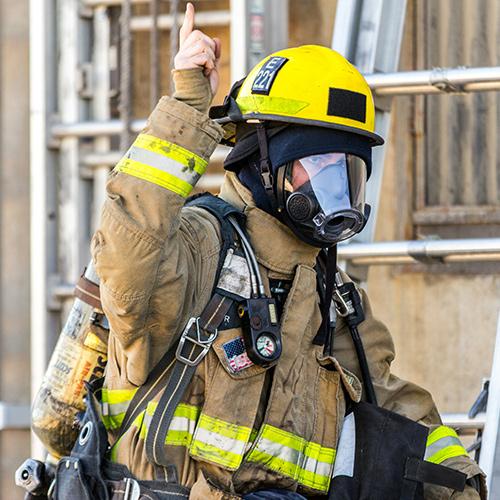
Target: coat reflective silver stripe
312, 465
279, 451
163, 163
346, 451
179, 424
440, 444
182, 424
443, 443
113, 409
293, 456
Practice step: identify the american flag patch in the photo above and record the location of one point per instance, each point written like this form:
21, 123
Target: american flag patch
236, 355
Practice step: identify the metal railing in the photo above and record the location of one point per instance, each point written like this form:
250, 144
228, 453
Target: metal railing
166, 21
428, 251
435, 81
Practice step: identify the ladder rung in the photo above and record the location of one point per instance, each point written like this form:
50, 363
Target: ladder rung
463, 422
109, 3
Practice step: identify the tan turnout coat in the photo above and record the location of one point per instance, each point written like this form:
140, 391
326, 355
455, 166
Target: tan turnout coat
157, 262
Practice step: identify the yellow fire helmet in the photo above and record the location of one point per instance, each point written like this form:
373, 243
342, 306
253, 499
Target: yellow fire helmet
308, 85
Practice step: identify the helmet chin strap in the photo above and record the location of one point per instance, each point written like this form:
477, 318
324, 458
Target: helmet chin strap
266, 174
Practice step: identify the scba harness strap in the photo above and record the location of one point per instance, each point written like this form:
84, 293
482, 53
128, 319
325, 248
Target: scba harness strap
197, 337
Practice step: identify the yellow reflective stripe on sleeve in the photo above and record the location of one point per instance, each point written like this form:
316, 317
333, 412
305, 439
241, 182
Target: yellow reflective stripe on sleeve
439, 433
151, 174
443, 443
114, 404
220, 442
173, 151
163, 163
306, 462
448, 452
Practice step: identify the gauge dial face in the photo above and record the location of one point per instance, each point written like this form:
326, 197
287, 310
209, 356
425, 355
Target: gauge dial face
266, 346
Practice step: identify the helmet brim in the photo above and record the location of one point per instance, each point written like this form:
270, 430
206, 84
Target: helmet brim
375, 139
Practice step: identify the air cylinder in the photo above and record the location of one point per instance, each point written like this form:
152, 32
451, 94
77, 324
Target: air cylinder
80, 356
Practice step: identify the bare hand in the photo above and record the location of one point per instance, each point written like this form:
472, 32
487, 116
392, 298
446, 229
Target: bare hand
197, 50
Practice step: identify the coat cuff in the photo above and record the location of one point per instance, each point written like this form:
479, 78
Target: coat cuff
192, 88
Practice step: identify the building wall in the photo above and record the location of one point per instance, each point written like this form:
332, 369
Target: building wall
443, 317
14, 233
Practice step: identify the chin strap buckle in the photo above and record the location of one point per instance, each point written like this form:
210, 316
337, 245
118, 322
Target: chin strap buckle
266, 175
265, 164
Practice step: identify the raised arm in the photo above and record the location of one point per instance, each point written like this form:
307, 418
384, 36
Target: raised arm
156, 262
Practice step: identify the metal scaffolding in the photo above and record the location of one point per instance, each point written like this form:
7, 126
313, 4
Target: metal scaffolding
73, 139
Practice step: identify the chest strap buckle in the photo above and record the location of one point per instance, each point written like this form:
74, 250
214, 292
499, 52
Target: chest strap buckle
193, 343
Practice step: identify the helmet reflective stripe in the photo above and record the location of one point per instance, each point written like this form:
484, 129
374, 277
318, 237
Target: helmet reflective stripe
443, 443
308, 463
163, 163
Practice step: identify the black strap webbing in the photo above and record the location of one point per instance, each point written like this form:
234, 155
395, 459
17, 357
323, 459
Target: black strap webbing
428, 472
325, 335
221, 210
198, 337
154, 384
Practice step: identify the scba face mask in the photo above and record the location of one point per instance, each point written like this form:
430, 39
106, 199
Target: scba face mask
322, 197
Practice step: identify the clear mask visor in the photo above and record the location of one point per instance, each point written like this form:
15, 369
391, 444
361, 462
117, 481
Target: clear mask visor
337, 180
327, 192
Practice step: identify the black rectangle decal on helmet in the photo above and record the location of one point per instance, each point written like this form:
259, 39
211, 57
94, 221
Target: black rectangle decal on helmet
266, 75
347, 104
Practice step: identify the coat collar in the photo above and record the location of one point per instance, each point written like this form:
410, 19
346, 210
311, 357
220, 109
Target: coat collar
275, 245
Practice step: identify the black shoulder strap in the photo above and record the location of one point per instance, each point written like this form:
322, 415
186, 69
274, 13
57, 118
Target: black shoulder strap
221, 210
160, 375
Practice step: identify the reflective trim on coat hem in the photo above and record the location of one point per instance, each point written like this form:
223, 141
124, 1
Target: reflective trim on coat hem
310, 464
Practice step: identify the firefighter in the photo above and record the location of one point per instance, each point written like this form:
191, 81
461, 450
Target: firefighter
302, 126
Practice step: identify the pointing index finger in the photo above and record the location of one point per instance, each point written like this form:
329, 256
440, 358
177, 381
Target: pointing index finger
188, 24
